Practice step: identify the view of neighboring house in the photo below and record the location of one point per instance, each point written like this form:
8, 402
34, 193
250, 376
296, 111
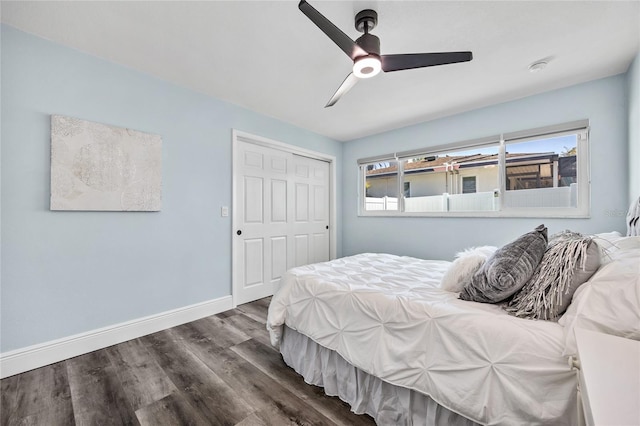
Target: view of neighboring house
434, 183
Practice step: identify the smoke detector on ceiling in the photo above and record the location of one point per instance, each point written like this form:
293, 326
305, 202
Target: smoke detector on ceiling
539, 65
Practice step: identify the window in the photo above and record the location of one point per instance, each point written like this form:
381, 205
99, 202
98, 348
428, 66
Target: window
542, 172
381, 186
536, 173
438, 181
468, 184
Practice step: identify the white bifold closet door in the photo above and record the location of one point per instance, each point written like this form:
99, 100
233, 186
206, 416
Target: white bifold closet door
281, 217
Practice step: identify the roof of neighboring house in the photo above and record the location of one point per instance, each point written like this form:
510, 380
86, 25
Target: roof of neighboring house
459, 160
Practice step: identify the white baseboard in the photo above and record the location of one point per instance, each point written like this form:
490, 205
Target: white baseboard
25, 359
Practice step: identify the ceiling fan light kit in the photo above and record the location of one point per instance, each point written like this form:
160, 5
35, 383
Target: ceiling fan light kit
365, 51
367, 66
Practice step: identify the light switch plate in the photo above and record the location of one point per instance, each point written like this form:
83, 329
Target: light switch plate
224, 211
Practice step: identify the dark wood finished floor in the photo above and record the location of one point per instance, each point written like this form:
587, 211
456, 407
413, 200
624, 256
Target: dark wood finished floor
219, 370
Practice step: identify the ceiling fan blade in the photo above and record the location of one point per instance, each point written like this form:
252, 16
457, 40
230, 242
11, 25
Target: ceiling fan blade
343, 41
421, 60
346, 85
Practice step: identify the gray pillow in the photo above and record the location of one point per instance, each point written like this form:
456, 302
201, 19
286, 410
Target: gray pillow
569, 262
508, 269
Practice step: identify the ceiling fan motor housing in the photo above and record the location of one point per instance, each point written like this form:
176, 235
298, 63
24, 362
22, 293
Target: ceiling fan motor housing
365, 21
370, 44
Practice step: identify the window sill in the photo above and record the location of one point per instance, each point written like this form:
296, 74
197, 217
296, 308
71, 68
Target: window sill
528, 213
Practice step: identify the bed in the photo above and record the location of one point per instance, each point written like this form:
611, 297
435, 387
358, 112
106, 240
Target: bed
378, 331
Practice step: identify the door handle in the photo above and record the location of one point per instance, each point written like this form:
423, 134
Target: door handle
239, 232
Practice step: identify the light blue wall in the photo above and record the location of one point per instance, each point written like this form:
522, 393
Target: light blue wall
603, 102
633, 81
69, 272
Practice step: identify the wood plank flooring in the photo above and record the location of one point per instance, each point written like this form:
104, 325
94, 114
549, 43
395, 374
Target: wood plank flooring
219, 370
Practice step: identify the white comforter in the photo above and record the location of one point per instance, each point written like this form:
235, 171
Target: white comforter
387, 316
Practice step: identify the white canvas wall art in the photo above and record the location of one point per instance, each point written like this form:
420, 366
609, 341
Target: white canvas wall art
99, 167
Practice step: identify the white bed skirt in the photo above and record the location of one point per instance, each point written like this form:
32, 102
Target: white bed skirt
386, 403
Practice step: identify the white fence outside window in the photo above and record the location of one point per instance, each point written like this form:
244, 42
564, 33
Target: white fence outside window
480, 201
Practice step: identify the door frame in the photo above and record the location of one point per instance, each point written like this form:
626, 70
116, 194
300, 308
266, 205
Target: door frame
240, 136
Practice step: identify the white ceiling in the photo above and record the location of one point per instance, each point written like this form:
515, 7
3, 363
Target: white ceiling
268, 57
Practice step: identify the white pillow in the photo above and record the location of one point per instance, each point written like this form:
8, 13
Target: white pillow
466, 264
609, 302
607, 236
613, 244
624, 247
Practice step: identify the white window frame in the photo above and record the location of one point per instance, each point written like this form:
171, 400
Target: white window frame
580, 128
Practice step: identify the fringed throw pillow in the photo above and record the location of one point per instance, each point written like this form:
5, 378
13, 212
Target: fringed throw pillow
508, 269
569, 262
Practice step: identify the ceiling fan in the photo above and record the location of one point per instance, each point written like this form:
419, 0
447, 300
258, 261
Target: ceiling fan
365, 51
